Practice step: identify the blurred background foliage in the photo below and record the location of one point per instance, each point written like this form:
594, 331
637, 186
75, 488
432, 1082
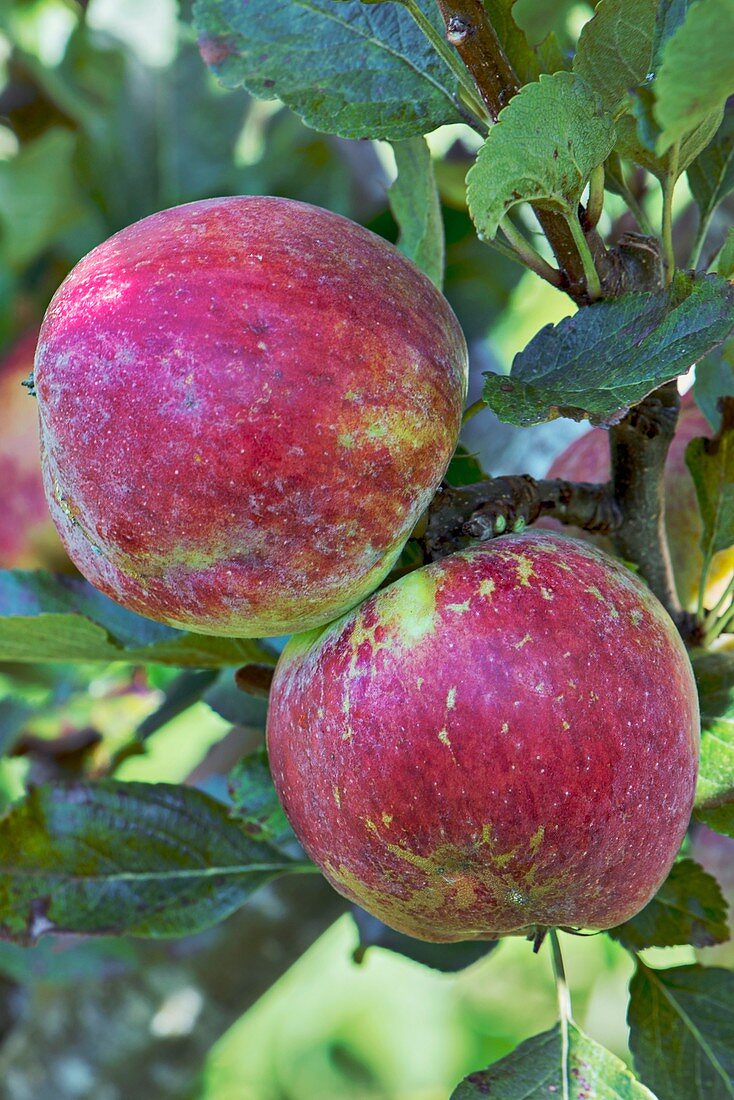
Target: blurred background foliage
106, 115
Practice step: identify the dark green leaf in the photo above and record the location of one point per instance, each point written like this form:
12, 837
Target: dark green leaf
543, 149
39, 197
52, 962
464, 468
688, 908
533, 1072
711, 176
416, 208
725, 264
519, 52
711, 463
611, 354
59, 618
255, 802
187, 689
682, 1031
231, 703
447, 957
715, 379
540, 18
715, 787
638, 134
696, 74
479, 281
617, 55
137, 858
669, 16
14, 713
615, 49
352, 69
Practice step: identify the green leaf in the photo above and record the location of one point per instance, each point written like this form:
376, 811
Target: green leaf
464, 468
610, 355
14, 714
542, 150
255, 802
682, 1031
541, 18
711, 463
187, 689
449, 958
696, 74
234, 705
351, 69
615, 49
618, 51
39, 197
533, 1072
638, 134
479, 281
711, 176
513, 40
688, 908
715, 378
725, 265
715, 787
669, 16
416, 208
136, 858
59, 618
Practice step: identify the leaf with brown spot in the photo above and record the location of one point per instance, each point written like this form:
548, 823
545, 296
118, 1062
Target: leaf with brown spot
145, 859
533, 1071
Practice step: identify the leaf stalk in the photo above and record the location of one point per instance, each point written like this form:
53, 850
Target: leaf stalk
591, 275
563, 995
669, 183
528, 255
595, 204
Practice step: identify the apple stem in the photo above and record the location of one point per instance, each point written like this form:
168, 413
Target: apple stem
564, 1007
471, 410
667, 224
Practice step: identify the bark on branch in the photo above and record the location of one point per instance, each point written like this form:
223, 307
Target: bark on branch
503, 504
639, 447
470, 30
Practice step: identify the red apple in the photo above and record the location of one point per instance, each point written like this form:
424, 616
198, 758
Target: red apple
587, 459
246, 404
28, 538
503, 741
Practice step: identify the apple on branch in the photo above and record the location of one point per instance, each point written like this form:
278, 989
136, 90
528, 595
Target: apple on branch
246, 404
499, 743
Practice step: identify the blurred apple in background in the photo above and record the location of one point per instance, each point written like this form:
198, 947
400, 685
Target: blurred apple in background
587, 459
28, 538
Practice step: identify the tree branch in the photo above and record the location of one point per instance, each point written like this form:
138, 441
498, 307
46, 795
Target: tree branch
497, 505
470, 30
639, 448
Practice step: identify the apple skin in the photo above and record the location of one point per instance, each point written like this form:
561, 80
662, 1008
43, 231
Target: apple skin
587, 459
502, 741
246, 404
28, 538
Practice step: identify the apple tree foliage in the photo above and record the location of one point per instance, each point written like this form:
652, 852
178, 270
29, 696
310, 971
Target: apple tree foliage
585, 151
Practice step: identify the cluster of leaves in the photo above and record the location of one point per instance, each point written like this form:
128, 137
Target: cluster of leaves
647, 88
